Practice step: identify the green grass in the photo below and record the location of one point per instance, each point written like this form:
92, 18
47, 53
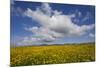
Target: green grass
37, 55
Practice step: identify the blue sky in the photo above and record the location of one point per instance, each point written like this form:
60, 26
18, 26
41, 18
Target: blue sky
35, 23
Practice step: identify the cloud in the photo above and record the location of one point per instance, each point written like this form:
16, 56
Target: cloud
35, 40
76, 16
46, 8
78, 13
16, 11
53, 24
58, 23
88, 16
92, 35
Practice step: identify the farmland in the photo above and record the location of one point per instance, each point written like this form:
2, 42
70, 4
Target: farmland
52, 54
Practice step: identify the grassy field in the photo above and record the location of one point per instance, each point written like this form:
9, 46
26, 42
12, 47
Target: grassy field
37, 55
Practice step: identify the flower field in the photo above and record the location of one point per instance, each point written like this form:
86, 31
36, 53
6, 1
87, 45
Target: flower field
52, 54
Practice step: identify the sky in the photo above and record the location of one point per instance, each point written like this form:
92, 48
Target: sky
38, 23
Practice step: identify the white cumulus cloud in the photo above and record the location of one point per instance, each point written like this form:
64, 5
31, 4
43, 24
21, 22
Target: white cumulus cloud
92, 35
54, 24
58, 22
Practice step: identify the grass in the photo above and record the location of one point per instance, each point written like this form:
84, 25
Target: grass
37, 55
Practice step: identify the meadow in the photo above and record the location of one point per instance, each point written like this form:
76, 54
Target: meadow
52, 54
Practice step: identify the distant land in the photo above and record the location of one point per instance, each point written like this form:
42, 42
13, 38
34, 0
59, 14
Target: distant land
55, 44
